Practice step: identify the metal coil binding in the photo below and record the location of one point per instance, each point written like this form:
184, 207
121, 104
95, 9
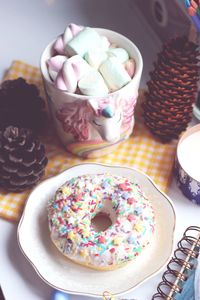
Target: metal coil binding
187, 250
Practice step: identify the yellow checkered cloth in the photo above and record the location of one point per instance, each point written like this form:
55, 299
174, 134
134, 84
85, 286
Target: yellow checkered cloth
140, 151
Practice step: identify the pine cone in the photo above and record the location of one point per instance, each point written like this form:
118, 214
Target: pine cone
22, 159
172, 89
21, 105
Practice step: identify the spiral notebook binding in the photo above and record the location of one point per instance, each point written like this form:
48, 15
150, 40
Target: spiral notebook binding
180, 265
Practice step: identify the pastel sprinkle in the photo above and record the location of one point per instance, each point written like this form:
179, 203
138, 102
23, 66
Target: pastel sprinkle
83, 253
70, 235
130, 201
112, 250
66, 191
125, 195
117, 241
138, 227
101, 240
122, 186
131, 217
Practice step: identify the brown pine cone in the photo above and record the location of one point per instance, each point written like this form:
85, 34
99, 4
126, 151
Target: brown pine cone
22, 159
172, 89
21, 105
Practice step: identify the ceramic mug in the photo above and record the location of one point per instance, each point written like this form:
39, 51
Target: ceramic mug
90, 126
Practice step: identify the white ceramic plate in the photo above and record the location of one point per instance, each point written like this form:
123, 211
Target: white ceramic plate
61, 273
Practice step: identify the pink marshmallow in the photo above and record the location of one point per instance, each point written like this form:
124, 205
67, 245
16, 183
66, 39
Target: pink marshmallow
79, 65
59, 45
69, 76
59, 82
55, 63
72, 70
71, 31
75, 29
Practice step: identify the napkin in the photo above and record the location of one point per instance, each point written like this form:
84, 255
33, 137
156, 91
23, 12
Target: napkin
141, 151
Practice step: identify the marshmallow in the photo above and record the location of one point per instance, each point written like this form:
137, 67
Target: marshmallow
52, 74
120, 53
113, 45
79, 65
71, 31
95, 57
82, 42
66, 79
114, 73
59, 82
130, 67
55, 64
69, 77
73, 69
105, 44
92, 84
58, 46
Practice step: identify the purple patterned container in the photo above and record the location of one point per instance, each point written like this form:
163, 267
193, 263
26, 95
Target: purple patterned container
187, 165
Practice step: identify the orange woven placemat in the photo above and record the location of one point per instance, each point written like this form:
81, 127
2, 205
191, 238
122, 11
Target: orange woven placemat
140, 151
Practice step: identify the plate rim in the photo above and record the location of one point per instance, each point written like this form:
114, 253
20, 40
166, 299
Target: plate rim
107, 166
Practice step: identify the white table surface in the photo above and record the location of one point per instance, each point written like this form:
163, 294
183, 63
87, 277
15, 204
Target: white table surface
26, 28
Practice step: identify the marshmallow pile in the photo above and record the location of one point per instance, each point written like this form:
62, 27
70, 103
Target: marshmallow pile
87, 63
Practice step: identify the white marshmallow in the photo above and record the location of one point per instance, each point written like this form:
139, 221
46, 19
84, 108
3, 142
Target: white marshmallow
92, 84
114, 73
82, 42
95, 57
120, 53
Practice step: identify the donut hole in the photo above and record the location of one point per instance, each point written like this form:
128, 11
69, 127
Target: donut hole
101, 222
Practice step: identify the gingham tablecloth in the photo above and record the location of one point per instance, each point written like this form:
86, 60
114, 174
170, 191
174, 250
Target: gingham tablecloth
140, 151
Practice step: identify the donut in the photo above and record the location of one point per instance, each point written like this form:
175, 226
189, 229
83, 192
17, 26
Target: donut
80, 199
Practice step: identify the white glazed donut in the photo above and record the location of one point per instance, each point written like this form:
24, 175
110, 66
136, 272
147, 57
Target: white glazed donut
80, 199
